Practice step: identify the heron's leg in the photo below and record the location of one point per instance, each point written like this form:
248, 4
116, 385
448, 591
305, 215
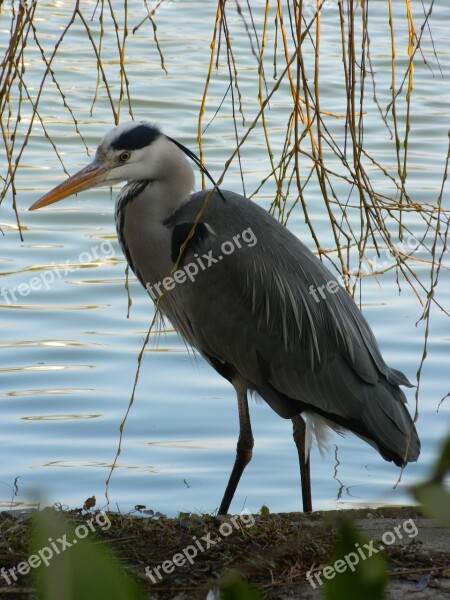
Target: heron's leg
243, 450
299, 430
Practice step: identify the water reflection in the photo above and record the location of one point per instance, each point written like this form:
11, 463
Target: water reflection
59, 417
74, 307
97, 465
47, 343
48, 392
46, 368
194, 445
182, 406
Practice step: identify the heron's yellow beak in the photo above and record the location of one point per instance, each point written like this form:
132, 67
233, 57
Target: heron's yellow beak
91, 176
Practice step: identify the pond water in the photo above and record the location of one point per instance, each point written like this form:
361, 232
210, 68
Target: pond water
68, 352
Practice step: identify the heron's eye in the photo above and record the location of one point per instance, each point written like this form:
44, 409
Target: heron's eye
125, 156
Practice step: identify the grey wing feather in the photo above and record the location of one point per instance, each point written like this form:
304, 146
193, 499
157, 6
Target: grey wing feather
253, 310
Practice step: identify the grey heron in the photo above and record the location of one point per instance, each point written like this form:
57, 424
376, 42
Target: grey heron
251, 313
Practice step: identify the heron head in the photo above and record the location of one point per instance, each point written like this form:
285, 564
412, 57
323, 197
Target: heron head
133, 151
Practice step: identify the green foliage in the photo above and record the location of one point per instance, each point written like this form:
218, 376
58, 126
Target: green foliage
432, 494
365, 579
83, 570
233, 587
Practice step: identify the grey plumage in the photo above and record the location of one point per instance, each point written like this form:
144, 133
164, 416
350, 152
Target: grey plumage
252, 310
250, 313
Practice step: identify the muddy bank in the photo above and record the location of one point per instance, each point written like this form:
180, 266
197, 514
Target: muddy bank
182, 558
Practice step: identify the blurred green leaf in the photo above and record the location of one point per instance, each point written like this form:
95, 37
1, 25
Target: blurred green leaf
433, 496
443, 464
435, 502
73, 568
233, 587
355, 577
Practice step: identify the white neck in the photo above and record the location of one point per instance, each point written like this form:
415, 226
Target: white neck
173, 181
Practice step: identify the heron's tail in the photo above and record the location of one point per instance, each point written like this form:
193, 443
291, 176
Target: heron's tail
375, 412
384, 423
396, 438
388, 426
